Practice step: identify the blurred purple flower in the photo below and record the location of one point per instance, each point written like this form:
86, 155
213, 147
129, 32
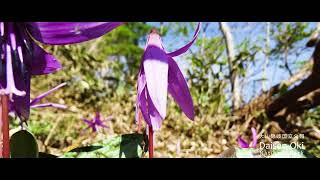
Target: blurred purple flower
158, 75
243, 144
96, 121
21, 57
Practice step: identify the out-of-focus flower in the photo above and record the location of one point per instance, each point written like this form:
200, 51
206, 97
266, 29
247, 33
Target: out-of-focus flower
243, 144
96, 122
21, 57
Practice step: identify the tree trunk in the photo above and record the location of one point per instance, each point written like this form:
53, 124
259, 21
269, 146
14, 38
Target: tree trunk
235, 88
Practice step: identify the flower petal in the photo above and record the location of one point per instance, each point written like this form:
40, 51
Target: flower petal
254, 137
61, 33
43, 95
21, 104
61, 106
144, 108
97, 118
140, 86
155, 117
242, 143
33, 56
178, 88
90, 123
186, 47
155, 64
94, 128
42, 62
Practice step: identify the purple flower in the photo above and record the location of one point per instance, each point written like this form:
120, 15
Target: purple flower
158, 75
243, 144
96, 121
21, 57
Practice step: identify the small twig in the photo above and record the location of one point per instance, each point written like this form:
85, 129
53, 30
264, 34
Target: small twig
46, 142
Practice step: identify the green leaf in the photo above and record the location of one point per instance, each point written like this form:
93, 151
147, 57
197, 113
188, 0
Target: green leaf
23, 145
124, 146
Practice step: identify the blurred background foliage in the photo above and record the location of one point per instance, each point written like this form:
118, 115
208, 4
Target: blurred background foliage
101, 75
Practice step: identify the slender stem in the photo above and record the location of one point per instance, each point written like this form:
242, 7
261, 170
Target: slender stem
150, 142
5, 126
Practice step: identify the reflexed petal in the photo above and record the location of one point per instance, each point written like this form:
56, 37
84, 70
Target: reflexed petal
94, 128
43, 62
60, 33
107, 119
88, 122
254, 137
242, 143
35, 58
102, 125
178, 88
43, 95
186, 47
155, 63
97, 118
61, 106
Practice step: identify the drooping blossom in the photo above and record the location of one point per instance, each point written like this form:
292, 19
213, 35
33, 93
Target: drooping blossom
158, 75
96, 122
243, 144
21, 57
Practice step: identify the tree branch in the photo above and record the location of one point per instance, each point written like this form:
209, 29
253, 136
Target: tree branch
265, 98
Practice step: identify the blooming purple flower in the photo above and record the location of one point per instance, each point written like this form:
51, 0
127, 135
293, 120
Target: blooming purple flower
243, 144
158, 75
21, 57
96, 121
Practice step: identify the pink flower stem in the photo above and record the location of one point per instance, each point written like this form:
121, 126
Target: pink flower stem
5, 126
150, 142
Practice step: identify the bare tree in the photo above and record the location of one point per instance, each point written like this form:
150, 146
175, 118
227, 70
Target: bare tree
235, 89
266, 52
